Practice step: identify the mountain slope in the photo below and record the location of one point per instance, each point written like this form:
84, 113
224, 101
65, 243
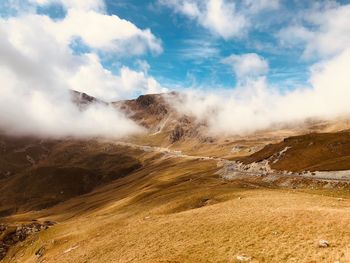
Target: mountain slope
311, 152
180, 210
38, 174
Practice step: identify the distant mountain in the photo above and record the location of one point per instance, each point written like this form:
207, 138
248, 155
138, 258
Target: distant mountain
155, 112
82, 100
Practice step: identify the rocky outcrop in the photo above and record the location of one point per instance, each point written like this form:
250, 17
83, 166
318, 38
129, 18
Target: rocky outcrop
186, 127
83, 100
323, 243
145, 101
11, 235
176, 134
147, 110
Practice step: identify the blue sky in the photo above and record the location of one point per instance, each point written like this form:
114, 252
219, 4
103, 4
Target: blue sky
192, 54
193, 50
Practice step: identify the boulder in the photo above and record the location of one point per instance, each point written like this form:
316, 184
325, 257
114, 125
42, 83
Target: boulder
323, 243
243, 258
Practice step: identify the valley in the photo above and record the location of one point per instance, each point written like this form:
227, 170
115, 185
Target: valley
268, 197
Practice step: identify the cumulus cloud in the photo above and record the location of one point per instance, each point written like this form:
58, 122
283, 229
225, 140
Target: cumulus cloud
224, 18
218, 16
247, 65
322, 31
37, 73
93, 79
254, 105
118, 35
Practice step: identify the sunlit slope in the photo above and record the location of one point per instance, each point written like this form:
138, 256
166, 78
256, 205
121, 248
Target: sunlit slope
178, 210
312, 152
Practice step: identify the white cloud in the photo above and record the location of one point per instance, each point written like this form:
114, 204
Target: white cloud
322, 31
108, 33
38, 68
87, 20
94, 80
247, 65
218, 16
224, 18
38, 113
221, 18
254, 105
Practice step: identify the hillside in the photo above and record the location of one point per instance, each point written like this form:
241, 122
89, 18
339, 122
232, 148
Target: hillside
310, 152
166, 127
39, 173
178, 209
162, 196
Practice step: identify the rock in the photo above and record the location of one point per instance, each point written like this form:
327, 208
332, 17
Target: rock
237, 149
177, 134
19, 233
70, 249
243, 258
145, 100
3, 227
30, 159
323, 243
40, 252
49, 223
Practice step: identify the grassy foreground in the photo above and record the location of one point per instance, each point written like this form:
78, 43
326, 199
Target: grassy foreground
178, 210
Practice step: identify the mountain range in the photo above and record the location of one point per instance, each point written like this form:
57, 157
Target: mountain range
175, 193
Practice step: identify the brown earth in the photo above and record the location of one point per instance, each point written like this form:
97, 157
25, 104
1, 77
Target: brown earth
179, 210
37, 174
310, 152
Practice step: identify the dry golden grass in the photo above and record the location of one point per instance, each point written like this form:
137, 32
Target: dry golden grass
172, 209
178, 210
313, 152
65, 170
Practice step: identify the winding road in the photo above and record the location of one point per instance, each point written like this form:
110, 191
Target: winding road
229, 169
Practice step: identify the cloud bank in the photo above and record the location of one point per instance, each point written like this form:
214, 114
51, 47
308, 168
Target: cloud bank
39, 67
254, 105
322, 30
322, 34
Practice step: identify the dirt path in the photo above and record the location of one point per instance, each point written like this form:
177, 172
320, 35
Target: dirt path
230, 169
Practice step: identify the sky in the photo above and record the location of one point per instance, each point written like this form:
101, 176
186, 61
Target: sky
195, 45
267, 60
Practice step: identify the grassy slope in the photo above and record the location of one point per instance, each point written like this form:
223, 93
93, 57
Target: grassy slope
68, 169
313, 152
178, 210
